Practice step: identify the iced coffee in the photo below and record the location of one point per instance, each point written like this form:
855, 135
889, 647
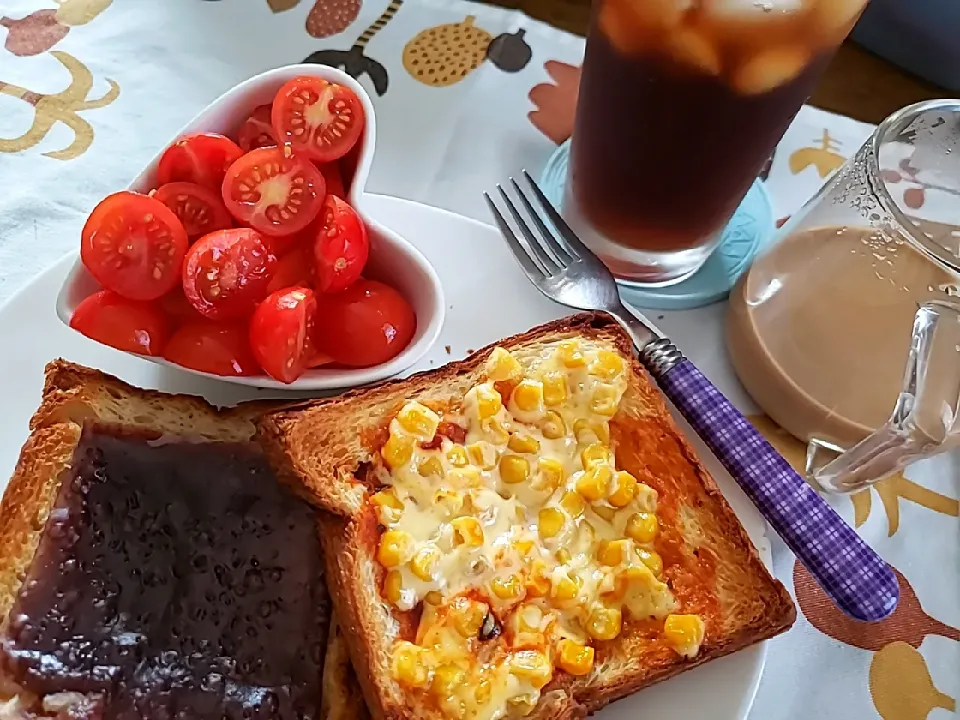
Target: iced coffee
681, 104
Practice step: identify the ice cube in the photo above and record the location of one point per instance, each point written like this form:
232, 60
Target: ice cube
693, 49
634, 25
769, 69
751, 10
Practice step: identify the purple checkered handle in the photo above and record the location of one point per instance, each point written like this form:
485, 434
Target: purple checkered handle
853, 575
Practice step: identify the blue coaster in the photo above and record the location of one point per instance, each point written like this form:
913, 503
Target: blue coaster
750, 228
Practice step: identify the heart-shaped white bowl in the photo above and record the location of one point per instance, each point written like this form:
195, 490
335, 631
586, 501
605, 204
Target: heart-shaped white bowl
392, 259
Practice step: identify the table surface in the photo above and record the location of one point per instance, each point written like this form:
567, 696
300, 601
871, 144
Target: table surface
857, 84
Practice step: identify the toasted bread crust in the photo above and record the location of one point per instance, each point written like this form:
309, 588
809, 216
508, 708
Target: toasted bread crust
321, 445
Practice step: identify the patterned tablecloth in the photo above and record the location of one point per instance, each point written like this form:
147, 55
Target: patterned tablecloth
466, 95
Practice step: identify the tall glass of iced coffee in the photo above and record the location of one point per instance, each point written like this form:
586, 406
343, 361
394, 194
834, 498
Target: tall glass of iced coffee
681, 104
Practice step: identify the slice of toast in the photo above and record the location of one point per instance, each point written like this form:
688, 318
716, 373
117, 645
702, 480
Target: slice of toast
328, 448
74, 397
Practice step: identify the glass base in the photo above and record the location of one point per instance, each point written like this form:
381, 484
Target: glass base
750, 229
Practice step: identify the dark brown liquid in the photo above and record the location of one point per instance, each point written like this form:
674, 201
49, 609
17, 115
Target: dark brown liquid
174, 581
663, 155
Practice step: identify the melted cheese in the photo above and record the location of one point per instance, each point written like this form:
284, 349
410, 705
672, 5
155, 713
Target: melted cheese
485, 530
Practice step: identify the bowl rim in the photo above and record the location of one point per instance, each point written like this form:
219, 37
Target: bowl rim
427, 333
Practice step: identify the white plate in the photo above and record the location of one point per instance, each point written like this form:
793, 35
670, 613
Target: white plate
487, 298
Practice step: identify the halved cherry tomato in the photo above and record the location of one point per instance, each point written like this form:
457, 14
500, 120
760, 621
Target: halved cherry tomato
319, 119
256, 131
294, 269
272, 192
177, 308
212, 347
226, 273
200, 209
341, 247
280, 332
201, 158
334, 177
365, 325
128, 325
134, 245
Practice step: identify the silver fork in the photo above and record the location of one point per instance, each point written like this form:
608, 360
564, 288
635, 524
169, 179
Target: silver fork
561, 267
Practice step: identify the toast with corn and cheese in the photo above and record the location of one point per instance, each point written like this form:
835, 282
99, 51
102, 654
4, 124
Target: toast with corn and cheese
75, 402
525, 532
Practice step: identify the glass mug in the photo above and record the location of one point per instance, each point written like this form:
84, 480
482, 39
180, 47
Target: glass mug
681, 103
846, 329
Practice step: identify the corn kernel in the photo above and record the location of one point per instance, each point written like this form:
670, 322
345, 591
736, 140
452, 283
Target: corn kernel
495, 431
529, 618
528, 396
570, 354
408, 664
431, 467
575, 658
457, 455
550, 522
467, 531
538, 585
593, 483
604, 401
501, 365
623, 489
642, 527
465, 477
433, 597
419, 420
684, 633
652, 560
482, 454
514, 469
424, 562
563, 556
604, 623
607, 365
533, 666
550, 474
523, 547
397, 451
447, 680
523, 444
507, 587
596, 454
566, 587
394, 548
467, 616
387, 498
450, 500
612, 552
483, 691
489, 401
572, 503
554, 389
392, 586
552, 426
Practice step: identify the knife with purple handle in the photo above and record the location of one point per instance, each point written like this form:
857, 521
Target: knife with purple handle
848, 570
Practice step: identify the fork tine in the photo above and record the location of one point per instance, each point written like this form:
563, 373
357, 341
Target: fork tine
530, 268
549, 265
548, 239
573, 243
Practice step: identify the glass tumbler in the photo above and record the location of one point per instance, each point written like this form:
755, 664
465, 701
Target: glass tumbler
681, 103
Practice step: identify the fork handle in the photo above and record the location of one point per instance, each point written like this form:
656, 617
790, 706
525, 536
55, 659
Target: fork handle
861, 584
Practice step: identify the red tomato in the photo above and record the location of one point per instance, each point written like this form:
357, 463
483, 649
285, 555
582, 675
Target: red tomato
201, 158
212, 347
128, 325
200, 209
134, 245
177, 308
227, 272
294, 269
365, 325
281, 330
319, 119
333, 174
272, 192
256, 131
341, 247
